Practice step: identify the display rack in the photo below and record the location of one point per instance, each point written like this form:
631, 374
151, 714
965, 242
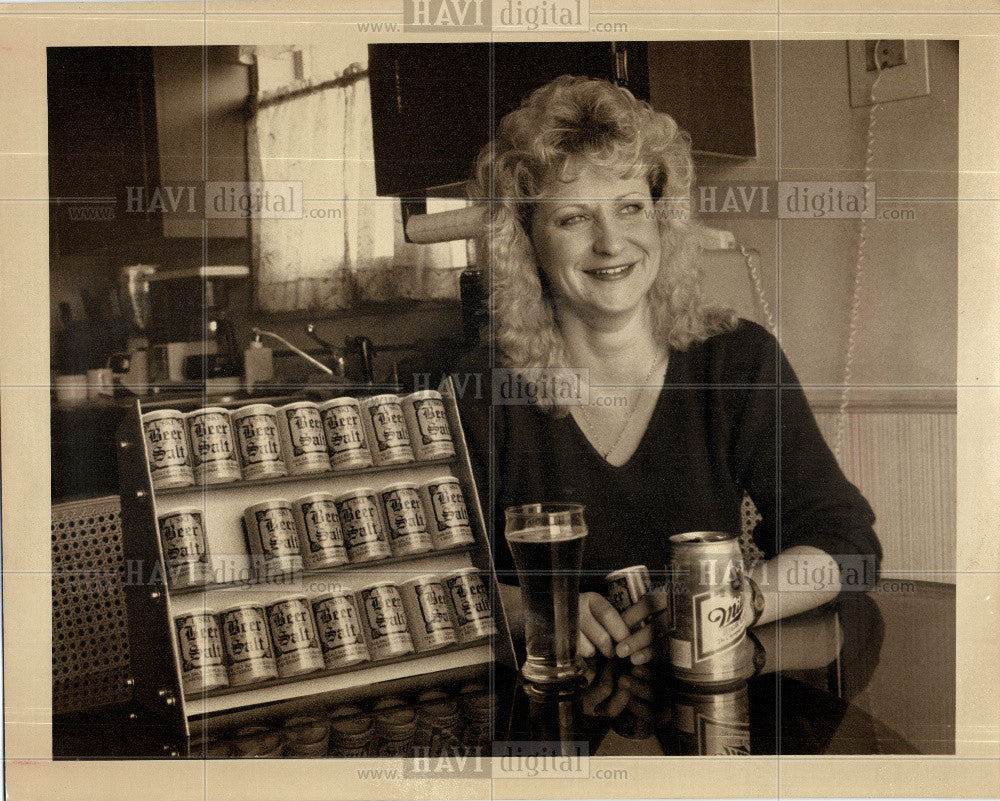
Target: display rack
152, 605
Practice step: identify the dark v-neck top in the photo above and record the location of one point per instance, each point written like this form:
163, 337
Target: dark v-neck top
731, 416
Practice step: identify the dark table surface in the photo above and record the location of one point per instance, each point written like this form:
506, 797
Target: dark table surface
871, 676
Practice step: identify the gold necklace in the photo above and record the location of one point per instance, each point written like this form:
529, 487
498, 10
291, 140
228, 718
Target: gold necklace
594, 430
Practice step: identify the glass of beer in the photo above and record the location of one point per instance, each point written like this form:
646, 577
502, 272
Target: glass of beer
546, 540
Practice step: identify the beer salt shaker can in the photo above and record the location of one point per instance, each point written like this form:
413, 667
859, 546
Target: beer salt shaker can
303, 442
361, 522
706, 583
445, 512
352, 732
395, 726
258, 442
713, 724
293, 634
199, 644
273, 538
320, 535
339, 629
167, 449
427, 611
386, 431
248, 644
213, 446
469, 603
185, 548
385, 624
345, 434
427, 422
404, 516
627, 586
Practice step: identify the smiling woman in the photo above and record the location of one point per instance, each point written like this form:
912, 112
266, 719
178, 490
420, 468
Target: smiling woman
594, 271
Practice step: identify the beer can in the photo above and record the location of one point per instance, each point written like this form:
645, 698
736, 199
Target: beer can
185, 549
257, 741
248, 644
395, 726
199, 644
439, 723
627, 586
446, 514
386, 431
258, 442
167, 449
213, 446
427, 611
361, 522
320, 535
303, 442
713, 724
470, 604
306, 736
273, 538
706, 583
385, 624
293, 634
345, 434
339, 629
352, 732
404, 515
427, 423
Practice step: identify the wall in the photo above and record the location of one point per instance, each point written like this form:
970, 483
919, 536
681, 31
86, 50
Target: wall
899, 429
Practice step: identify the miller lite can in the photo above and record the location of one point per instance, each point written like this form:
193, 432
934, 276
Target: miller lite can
707, 642
713, 724
213, 446
345, 434
166, 441
185, 548
339, 629
293, 633
445, 512
469, 604
320, 535
303, 442
404, 514
427, 422
248, 644
361, 522
258, 442
427, 611
386, 431
386, 627
199, 645
272, 537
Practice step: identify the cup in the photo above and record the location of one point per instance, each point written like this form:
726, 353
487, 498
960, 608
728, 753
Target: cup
546, 540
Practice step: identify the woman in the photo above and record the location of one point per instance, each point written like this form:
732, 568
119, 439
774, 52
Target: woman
594, 270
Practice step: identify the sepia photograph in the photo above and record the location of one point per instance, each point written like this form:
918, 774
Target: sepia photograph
486, 399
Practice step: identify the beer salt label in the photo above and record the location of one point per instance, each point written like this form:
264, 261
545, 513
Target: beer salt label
339, 630
303, 441
213, 446
345, 434
404, 514
185, 548
627, 586
272, 537
445, 512
199, 645
167, 449
321, 537
427, 422
385, 427
470, 604
386, 627
293, 633
361, 522
248, 644
427, 611
258, 442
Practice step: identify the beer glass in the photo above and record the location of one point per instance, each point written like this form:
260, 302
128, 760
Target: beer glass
546, 540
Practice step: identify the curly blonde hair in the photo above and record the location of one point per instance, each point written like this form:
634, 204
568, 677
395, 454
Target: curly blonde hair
569, 118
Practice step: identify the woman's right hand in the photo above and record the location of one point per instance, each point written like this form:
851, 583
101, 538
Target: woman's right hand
601, 627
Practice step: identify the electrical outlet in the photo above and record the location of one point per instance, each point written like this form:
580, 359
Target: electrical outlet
909, 79
891, 53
